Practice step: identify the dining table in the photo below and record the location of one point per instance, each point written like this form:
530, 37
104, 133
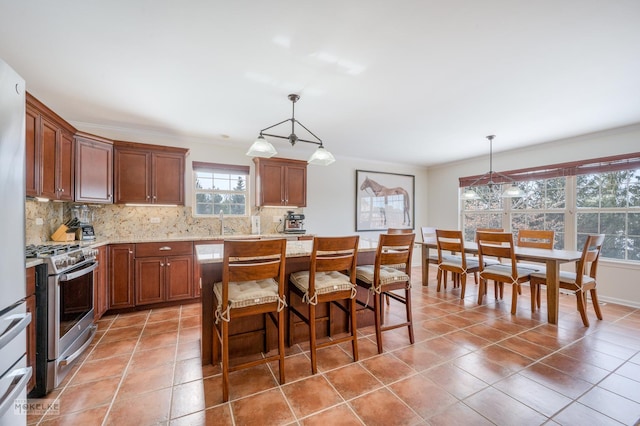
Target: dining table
551, 258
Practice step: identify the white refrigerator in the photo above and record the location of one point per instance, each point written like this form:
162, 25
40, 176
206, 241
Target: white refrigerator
14, 373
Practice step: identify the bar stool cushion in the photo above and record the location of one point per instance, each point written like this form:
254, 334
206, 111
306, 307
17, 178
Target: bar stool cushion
326, 282
388, 275
249, 293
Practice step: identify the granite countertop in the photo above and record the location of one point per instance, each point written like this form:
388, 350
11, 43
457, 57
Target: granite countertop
212, 253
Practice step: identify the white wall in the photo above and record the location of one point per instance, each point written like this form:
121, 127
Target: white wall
617, 282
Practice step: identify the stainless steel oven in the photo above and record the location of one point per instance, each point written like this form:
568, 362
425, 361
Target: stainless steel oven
68, 296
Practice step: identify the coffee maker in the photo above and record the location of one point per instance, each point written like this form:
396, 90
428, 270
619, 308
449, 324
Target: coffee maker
84, 215
294, 223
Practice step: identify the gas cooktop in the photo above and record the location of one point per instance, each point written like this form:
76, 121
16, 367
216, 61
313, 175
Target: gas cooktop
42, 251
61, 257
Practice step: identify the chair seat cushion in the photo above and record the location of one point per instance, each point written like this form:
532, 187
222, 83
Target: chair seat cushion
471, 263
326, 282
505, 270
388, 275
489, 261
565, 277
248, 293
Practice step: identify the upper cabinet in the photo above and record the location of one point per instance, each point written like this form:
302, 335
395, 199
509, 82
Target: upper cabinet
148, 174
49, 153
281, 182
94, 169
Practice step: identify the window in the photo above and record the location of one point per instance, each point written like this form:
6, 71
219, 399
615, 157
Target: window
220, 188
573, 199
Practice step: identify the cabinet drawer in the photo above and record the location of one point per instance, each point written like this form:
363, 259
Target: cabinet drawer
176, 248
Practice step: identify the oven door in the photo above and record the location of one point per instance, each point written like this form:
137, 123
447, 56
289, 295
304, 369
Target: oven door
71, 328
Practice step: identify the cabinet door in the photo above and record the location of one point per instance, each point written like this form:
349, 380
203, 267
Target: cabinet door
168, 178
32, 153
271, 185
131, 172
100, 286
150, 273
31, 328
48, 184
120, 263
94, 169
179, 277
296, 186
64, 166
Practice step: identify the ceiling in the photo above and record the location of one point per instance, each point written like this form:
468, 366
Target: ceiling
415, 82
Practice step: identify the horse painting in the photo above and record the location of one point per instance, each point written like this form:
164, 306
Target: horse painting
382, 191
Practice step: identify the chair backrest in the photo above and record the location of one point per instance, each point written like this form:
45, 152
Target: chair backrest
333, 254
588, 263
399, 231
536, 238
394, 249
487, 230
249, 260
450, 241
428, 234
497, 244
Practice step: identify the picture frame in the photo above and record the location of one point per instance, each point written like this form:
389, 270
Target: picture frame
384, 200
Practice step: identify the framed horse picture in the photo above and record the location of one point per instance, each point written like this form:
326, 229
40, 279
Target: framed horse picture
384, 200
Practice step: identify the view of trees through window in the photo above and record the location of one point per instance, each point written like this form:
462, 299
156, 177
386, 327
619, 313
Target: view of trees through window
572, 206
217, 192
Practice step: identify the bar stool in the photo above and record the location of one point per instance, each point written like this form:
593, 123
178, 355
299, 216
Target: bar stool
379, 278
330, 279
253, 282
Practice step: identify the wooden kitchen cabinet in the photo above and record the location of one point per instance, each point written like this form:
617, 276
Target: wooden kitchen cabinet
163, 272
120, 275
93, 169
31, 328
100, 284
49, 153
281, 182
148, 174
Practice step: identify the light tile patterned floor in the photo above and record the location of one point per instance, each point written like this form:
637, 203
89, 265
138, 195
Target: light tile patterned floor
470, 365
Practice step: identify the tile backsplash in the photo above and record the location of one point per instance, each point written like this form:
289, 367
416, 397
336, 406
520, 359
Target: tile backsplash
121, 222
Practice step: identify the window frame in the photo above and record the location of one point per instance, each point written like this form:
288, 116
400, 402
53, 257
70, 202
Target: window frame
220, 169
570, 172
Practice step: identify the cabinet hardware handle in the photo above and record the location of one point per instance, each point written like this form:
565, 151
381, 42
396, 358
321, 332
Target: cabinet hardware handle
154, 197
168, 263
162, 264
148, 197
130, 252
164, 248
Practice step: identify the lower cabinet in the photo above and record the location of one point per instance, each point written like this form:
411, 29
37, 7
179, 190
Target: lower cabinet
120, 273
163, 272
31, 328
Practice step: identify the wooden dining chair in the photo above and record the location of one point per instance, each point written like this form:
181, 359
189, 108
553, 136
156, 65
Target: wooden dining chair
400, 265
331, 279
581, 281
452, 241
488, 260
253, 282
379, 279
535, 238
500, 245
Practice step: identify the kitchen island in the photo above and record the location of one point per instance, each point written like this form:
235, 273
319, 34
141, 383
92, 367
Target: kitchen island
249, 337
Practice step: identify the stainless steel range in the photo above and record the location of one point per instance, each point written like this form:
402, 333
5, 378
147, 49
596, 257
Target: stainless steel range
68, 327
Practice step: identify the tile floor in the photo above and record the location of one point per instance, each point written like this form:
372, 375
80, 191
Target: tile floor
470, 365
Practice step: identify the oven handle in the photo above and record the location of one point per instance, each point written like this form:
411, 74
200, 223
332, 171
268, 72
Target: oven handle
76, 274
22, 376
76, 354
18, 323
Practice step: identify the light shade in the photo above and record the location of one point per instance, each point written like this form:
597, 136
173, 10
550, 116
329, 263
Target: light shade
512, 191
262, 148
470, 194
321, 157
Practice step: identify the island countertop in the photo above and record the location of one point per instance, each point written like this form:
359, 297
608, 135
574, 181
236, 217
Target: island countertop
212, 253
